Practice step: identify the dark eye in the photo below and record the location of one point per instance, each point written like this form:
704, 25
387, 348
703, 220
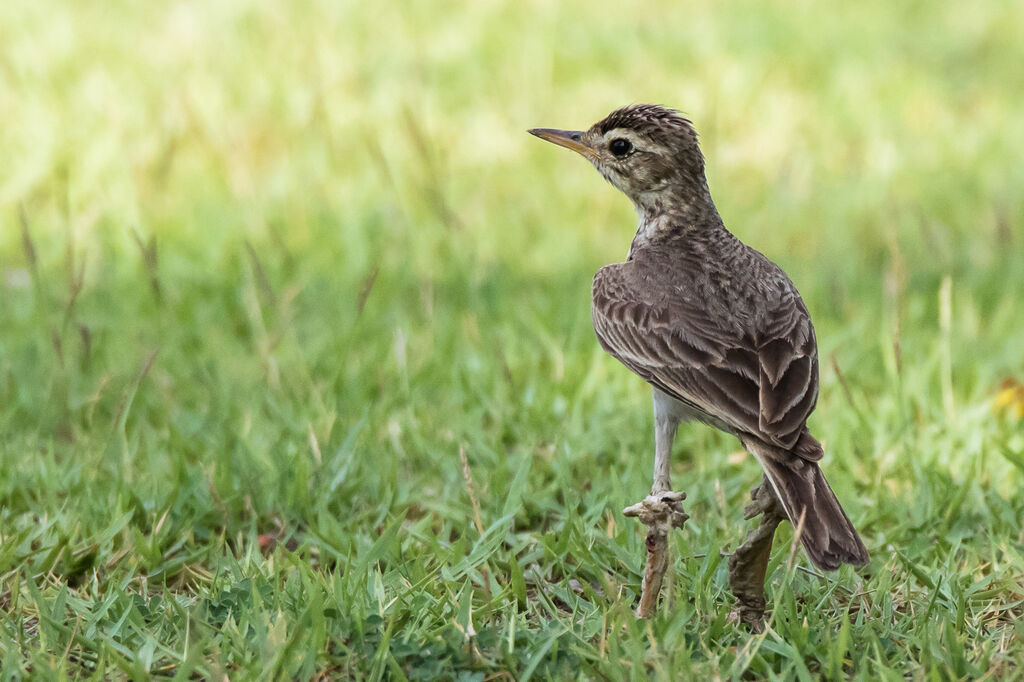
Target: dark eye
620, 147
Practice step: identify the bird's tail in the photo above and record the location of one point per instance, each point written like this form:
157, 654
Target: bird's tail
825, 530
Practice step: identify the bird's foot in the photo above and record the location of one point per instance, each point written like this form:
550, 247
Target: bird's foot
763, 501
661, 511
660, 508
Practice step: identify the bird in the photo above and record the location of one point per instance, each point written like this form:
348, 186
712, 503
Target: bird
717, 329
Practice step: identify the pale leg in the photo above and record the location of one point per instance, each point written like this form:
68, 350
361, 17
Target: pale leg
662, 510
666, 422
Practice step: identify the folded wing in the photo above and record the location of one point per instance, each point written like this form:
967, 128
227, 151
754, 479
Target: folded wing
754, 374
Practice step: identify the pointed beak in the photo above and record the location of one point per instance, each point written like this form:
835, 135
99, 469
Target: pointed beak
570, 139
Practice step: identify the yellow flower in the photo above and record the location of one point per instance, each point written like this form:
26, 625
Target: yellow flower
1010, 397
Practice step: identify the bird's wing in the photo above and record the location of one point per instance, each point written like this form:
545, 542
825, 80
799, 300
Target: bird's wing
761, 381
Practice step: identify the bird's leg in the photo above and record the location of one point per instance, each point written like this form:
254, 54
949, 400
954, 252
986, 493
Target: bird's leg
749, 563
661, 511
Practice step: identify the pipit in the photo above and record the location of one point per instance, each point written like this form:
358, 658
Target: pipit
718, 330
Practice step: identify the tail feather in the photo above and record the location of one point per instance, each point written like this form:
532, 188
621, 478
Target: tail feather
827, 533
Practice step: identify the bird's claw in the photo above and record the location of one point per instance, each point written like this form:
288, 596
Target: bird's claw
660, 507
763, 500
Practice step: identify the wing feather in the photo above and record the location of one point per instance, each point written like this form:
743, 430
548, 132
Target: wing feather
761, 381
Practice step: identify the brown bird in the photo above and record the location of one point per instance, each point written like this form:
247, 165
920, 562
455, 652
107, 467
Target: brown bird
716, 328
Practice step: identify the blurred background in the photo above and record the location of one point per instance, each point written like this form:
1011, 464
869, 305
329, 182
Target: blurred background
266, 266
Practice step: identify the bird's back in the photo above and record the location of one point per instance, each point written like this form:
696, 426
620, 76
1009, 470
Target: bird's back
718, 326
741, 292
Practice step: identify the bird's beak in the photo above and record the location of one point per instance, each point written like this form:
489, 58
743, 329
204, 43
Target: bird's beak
570, 139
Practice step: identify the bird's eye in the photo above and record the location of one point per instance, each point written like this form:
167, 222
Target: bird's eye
620, 147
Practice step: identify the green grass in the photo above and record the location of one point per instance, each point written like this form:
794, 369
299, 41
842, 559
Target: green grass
264, 270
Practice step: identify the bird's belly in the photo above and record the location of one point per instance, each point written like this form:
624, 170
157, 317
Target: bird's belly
679, 411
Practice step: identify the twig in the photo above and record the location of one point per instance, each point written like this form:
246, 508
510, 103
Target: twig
661, 511
749, 563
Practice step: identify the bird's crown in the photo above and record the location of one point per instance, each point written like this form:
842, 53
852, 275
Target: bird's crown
653, 120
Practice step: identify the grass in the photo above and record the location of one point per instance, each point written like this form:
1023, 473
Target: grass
266, 269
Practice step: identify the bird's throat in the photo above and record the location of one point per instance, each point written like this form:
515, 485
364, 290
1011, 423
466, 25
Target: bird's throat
666, 218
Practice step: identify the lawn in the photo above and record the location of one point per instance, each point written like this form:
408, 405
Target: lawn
267, 269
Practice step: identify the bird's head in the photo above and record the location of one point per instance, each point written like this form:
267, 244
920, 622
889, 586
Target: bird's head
648, 151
